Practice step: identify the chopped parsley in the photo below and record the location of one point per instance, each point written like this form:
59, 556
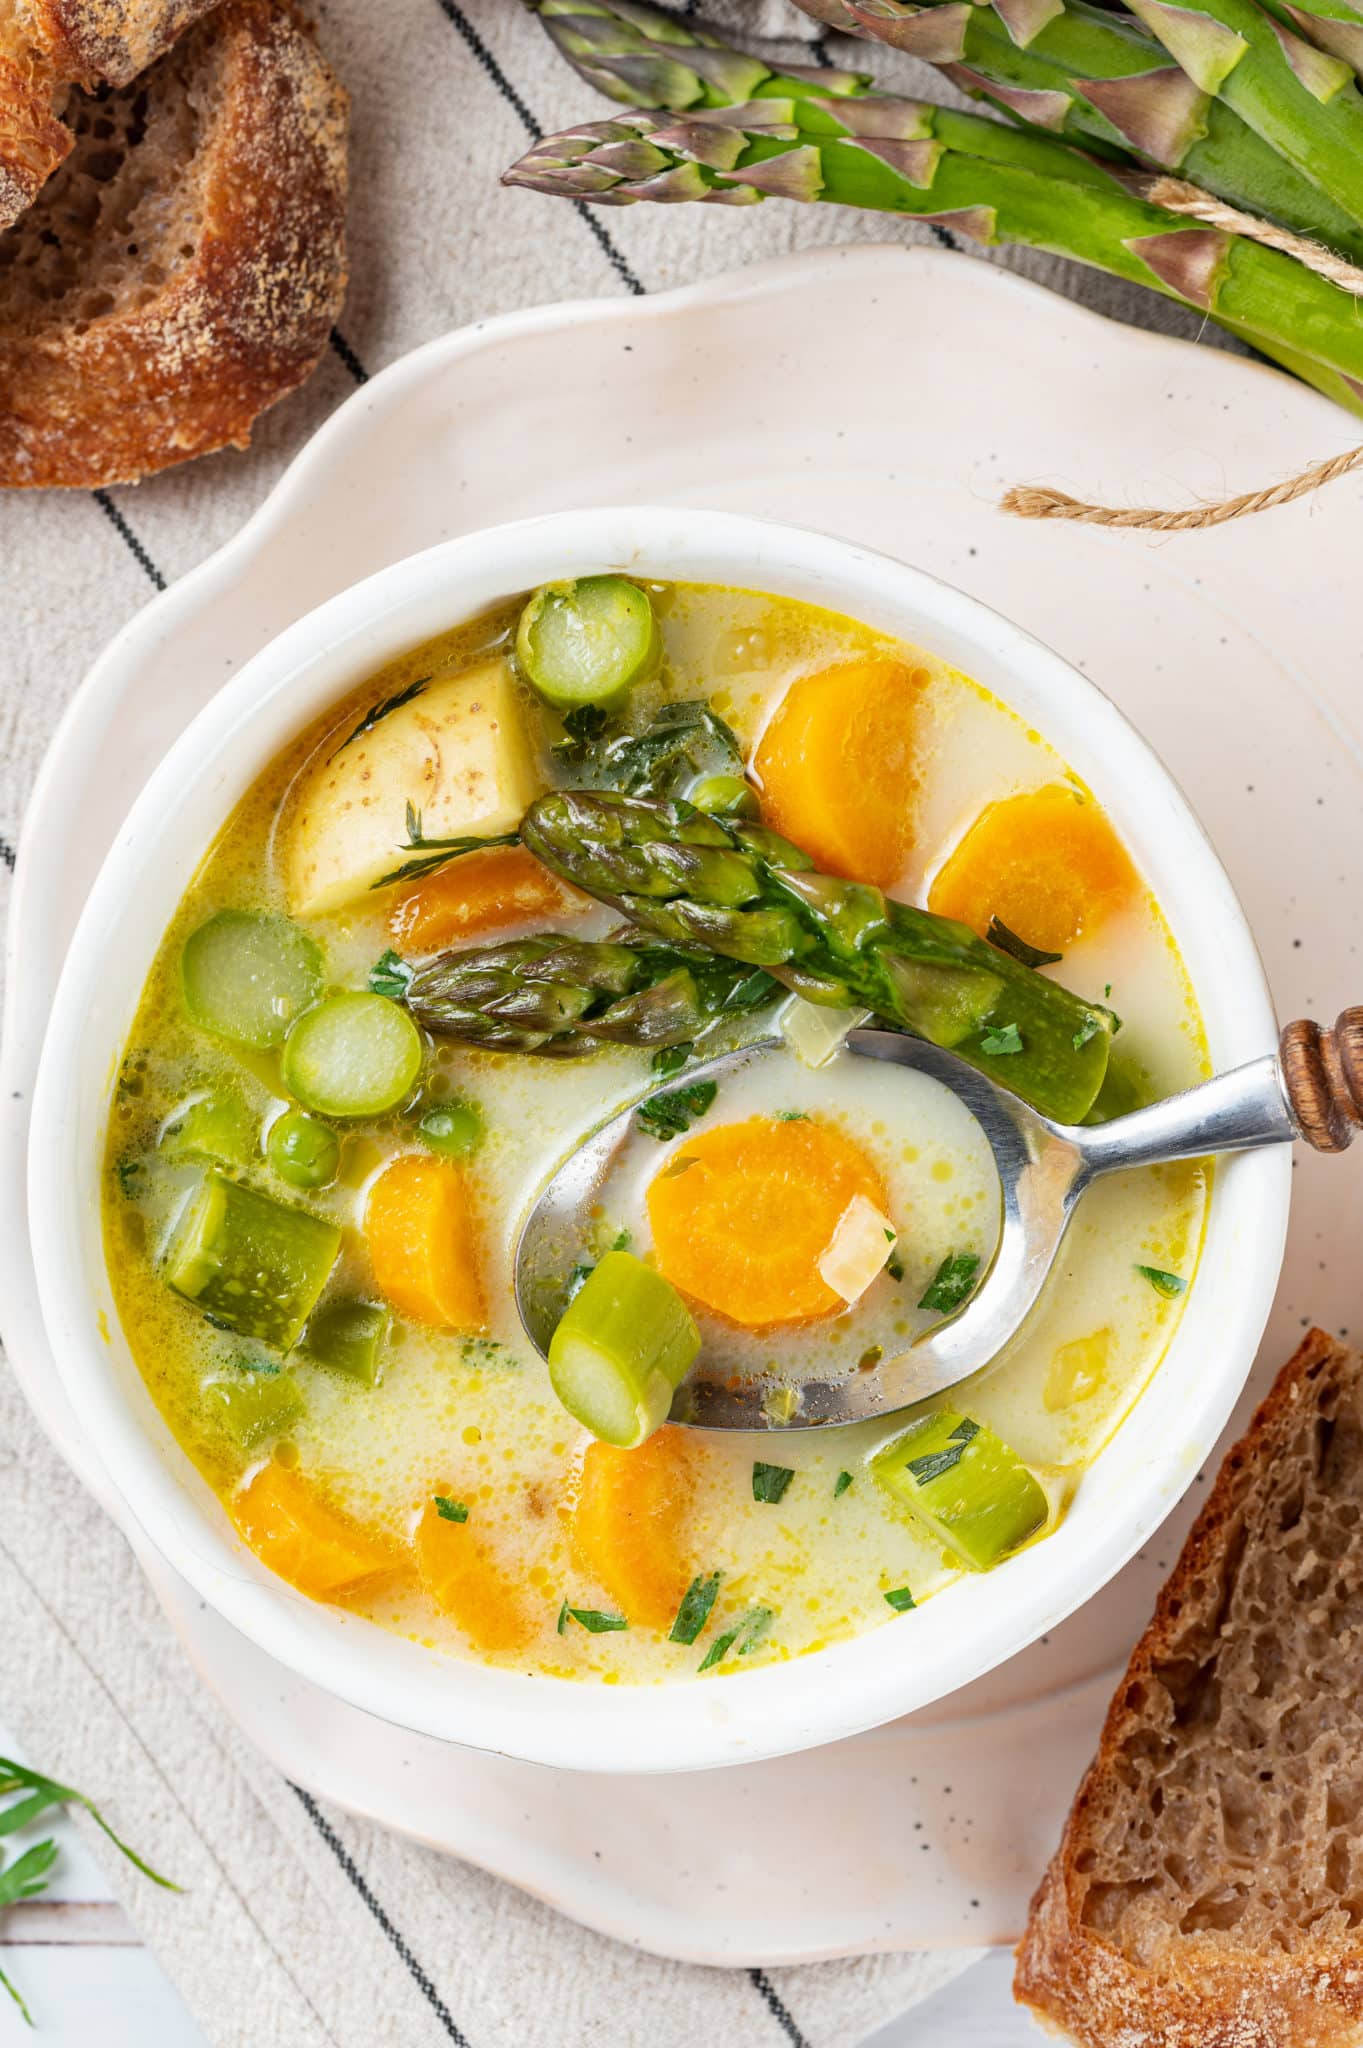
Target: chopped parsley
592, 1619
901, 1599
934, 1464
793, 1116
894, 1266
1170, 1285
694, 1611
669, 1115
622, 1240
1090, 1028
747, 1632
952, 1283
126, 1173
999, 935
670, 1059
841, 1484
390, 975
1003, 1038
450, 1510
562, 1621
769, 1482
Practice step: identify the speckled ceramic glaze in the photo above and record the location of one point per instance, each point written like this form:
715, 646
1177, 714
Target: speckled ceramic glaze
1221, 648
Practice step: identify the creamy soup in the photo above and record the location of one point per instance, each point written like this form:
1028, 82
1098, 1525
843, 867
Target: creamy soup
349, 1079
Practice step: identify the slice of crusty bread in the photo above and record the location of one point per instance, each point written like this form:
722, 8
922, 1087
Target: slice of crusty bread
46, 47
1208, 1891
183, 268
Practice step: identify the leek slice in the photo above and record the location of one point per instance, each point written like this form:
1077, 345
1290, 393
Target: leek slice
623, 1346
972, 1493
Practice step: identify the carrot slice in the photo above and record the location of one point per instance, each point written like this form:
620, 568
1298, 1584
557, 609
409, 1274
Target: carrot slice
295, 1531
464, 1580
629, 1524
1047, 864
478, 893
838, 767
742, 1214
421, 1243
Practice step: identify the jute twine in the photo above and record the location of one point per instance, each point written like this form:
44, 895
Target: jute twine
1032, 501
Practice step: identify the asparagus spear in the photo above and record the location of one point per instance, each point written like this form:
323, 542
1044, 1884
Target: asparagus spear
555, 995
1331, 24
994, 183
746, 893
1078, 70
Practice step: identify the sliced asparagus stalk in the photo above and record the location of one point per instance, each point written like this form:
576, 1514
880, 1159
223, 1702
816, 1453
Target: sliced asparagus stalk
246, 974
349, 1337
256, 1406
973, 1494
355, 1054
748, 894
587, 642
994, 183
555, 995
214, 1124
1333, 25
625, 1343
252, 1265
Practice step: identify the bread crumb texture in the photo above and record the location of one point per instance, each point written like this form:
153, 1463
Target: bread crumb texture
183, 268
1208, 1891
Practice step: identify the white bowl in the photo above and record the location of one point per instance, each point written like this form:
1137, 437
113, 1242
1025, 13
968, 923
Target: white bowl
813, 1699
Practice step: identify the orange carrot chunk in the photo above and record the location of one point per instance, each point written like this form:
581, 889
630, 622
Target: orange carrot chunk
479, 893
629, 1530
463, 1578
1048, 865
422, 1246
743, 1213
295, 1531
838, 767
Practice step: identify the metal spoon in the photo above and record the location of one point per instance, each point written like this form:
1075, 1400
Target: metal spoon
1311, 1088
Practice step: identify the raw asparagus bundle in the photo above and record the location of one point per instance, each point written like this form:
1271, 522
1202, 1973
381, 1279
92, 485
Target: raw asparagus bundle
1081, 71
744, 892
994, 183
555, 995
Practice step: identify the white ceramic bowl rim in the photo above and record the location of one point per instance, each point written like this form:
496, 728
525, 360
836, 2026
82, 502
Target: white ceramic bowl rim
782, 1707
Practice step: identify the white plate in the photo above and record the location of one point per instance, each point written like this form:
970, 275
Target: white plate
886, 394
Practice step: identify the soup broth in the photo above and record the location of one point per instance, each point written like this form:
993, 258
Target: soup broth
426, 1472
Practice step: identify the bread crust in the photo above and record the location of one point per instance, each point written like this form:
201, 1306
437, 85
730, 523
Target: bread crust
33, 141
1194, 1993
94, 42
243, 316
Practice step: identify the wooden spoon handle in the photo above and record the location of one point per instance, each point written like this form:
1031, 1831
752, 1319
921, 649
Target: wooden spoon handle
1323, 1076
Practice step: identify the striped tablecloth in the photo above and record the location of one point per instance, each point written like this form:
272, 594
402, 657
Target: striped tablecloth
300, 1926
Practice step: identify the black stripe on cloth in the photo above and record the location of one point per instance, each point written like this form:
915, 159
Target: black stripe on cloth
410, 1963
6, 853
342, 348
129, 538
778, 2008
459, 21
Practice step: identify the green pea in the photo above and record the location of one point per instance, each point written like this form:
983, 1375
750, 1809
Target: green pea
303, 1151
725, 796
454, 1129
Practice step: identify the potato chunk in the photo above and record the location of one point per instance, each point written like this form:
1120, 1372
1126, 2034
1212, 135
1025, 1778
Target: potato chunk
457, 752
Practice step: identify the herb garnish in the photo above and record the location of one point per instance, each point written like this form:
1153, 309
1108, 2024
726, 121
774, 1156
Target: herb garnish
1001, 1039
126, 1172
841, 1484
622, 1241
562, 1622
933, 1464
792, 1116
901, 1599
668, 1116
694, 1611
1090, 1028
894, 1266
592, 1619
670, 1059
769, 1482
999, 935
682, 742
435, 853
378, 712
751, 1627
581, 726
390, 975
28, 1874
1170, 1285
450, 1510
952, 1283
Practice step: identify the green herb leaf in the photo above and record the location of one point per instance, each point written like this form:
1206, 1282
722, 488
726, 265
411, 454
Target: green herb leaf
952, 1283
753, 992
562, 1618
450, 1510
901, 1599
582, 1271
1004, 1038
747, 1632
769, 1482
379, 712
7, 1985
793, 1116
623, 1241
390, 976
127, 1171
682, 742
933, 1464
670, 1059
668, 1116
999, 935
582, 726
45, 1792
27, 1876
595, 1622
841, 1484
694, 1611
1090, 1028
1170, 1285
894, 1266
